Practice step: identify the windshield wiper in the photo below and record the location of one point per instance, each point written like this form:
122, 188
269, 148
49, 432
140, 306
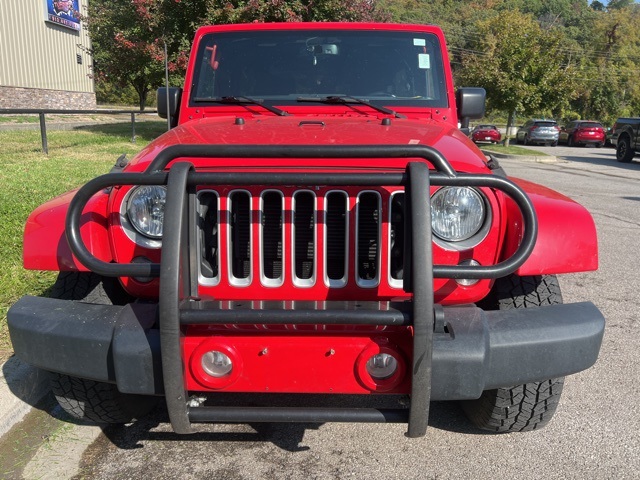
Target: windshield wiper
240, 100
346, 99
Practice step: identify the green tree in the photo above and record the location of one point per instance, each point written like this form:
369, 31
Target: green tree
522, 67
242, 11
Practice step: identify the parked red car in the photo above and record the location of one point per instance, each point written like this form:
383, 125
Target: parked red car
583, 132
486, 133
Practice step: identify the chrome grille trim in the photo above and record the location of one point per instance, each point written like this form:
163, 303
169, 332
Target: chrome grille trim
368, 242
271, 219
247, 277
395, 237
297, 250
303, 235
329, 221
203, 208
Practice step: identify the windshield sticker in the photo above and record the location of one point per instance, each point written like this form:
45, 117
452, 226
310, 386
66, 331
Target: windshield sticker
419, 42
424, 60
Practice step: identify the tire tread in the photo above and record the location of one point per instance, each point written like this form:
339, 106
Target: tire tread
525, 407
87, 399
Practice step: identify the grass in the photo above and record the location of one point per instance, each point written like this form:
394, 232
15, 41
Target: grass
19, 119
29, 178
510, 150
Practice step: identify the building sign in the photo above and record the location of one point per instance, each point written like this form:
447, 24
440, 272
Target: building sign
65, 13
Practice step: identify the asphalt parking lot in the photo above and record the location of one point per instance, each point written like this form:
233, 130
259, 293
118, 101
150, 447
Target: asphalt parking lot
595, 433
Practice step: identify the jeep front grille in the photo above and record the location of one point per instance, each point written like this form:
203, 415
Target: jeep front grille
274, 245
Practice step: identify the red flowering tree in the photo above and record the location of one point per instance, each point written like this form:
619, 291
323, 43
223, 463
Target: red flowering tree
128, 36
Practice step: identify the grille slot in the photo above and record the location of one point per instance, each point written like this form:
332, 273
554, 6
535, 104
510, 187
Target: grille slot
240, 234
336, 240
271, 224
207, 218
368, 238
304, 235
396, 240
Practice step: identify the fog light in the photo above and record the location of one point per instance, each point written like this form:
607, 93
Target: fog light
216, 364
381, 366
142, 260
468, 282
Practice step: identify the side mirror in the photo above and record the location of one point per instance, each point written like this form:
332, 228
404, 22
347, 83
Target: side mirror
471, 103
170, 108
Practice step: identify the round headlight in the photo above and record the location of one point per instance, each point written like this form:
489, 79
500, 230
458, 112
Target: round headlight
457, 213
216, 364
145, 209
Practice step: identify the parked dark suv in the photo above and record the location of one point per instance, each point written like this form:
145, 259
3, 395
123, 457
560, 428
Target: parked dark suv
538, 131
583, 132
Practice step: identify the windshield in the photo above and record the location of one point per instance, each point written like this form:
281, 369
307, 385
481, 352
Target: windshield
278, 67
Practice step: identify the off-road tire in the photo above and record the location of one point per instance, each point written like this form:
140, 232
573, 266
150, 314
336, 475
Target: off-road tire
86, 399
89, 287
624, 152
523, 407
98, 402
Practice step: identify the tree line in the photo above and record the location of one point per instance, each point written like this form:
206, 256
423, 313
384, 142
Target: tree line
566, 59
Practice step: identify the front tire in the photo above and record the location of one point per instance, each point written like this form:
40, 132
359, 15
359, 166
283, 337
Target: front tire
624, 152
97, 401
86, 399
525, 407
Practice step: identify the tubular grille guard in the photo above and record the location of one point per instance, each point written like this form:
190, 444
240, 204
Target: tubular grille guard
178, 274
444, 176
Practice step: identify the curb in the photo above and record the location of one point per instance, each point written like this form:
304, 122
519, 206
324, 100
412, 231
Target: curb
523, 158
21, 387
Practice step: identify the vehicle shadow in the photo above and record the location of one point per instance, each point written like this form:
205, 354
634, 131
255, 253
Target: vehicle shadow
286, 436
603, 159
26, 386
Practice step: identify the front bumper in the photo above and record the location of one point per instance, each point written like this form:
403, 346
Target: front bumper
479, 350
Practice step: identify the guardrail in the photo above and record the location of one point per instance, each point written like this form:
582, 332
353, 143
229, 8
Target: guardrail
43, 123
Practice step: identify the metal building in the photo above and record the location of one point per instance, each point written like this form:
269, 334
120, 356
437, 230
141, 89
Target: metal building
44, 59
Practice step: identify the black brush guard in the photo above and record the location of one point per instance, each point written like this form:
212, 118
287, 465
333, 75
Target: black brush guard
178, 278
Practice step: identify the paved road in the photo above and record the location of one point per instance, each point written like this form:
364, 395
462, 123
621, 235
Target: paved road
595, 434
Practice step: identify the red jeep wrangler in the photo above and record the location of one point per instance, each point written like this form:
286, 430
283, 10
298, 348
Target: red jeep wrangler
318, 235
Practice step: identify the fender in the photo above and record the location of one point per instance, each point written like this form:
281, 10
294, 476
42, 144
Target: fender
45, 244
567, 238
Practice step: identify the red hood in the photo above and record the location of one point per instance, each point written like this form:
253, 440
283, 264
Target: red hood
324, 130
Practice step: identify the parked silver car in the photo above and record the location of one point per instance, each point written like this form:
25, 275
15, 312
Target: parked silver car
538, 131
